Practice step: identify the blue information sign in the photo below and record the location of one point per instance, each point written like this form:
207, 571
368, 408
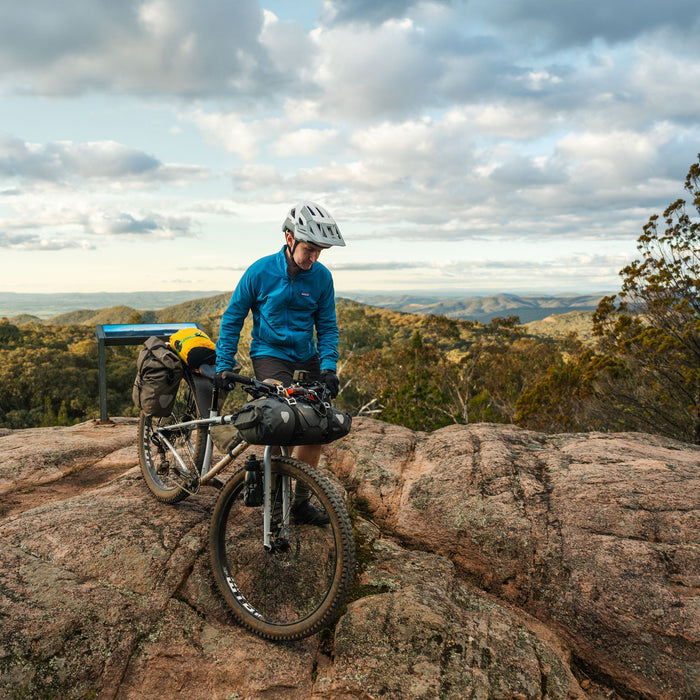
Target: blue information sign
127, 334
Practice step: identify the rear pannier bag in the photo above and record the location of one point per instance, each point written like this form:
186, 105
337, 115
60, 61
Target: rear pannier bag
273, 420
194, 347
158, 374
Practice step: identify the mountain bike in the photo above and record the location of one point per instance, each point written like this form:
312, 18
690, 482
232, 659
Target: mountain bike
282, 578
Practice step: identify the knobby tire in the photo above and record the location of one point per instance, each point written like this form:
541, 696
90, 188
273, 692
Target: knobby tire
298, 587
156, 461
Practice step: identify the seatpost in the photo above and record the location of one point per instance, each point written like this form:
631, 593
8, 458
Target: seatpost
214, 398
213, 412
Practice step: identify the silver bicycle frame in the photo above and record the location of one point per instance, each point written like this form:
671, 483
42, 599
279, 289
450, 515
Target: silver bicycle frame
207, 473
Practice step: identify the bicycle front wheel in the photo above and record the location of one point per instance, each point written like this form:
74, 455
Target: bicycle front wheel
158, 464
297, 586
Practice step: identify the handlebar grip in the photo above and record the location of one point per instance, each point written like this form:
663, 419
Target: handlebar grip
235, 378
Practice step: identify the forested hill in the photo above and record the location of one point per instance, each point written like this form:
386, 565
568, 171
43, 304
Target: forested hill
554, 317
422, 371
190, 310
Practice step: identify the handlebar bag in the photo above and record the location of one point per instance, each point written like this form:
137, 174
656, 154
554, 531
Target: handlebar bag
319, 424
339, 424
273, 420
158, 374
312, 423
269, 420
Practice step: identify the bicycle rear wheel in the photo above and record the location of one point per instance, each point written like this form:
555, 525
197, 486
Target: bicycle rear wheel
297, 587
158, 464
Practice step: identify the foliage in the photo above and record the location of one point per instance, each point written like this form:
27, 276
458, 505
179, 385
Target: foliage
644, 373
653, 328
420, 371
48, 376
564, 398
445, 372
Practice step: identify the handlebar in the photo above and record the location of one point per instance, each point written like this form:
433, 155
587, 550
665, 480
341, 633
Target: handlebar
209, 371
233, 378
257, 388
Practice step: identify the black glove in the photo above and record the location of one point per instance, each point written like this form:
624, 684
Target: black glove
222, 382
330, 379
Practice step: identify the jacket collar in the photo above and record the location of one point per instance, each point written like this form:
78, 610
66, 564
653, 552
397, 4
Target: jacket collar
284, 265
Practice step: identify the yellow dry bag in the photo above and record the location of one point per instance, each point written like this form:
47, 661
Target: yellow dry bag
194, 347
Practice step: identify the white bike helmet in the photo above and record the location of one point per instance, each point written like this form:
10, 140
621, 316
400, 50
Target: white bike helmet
311, 223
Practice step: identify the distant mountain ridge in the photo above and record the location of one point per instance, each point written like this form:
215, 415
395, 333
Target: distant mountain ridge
50, 305
196, 305
529, 307
186, 311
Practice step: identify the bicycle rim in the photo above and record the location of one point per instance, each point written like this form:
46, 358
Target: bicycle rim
297, 587
158, 464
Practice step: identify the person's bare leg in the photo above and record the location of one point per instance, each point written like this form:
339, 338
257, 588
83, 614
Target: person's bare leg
311, 454
302, 510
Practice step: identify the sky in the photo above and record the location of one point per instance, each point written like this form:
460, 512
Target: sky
463, 147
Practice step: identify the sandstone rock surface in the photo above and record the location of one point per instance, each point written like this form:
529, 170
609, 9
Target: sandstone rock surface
493, 563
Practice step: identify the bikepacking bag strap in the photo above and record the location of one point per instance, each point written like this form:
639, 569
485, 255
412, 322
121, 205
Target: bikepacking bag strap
195, 347
158, 374
274, 420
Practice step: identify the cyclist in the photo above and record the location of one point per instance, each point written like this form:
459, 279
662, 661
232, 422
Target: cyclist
291, 295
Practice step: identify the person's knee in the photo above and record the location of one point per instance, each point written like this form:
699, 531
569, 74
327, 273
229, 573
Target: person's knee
310, 454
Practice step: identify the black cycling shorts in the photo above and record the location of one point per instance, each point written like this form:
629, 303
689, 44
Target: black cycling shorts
283, 370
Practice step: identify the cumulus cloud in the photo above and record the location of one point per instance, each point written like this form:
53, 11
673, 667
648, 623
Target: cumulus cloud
105, 223
416, 120
234, 132
35, 242
370, 11
57, 226
391, 74
290, 49
304, 142
571, 24
104, 161
159, 46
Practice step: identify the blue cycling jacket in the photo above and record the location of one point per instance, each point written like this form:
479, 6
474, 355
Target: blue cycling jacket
286, 310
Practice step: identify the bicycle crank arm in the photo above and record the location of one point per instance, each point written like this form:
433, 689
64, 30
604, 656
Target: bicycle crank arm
190, 480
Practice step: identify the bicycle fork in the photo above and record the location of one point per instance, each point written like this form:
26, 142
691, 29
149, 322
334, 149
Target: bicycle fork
282, 485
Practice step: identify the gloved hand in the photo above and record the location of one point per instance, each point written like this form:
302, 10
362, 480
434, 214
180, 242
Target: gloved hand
221, 381
330, 379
